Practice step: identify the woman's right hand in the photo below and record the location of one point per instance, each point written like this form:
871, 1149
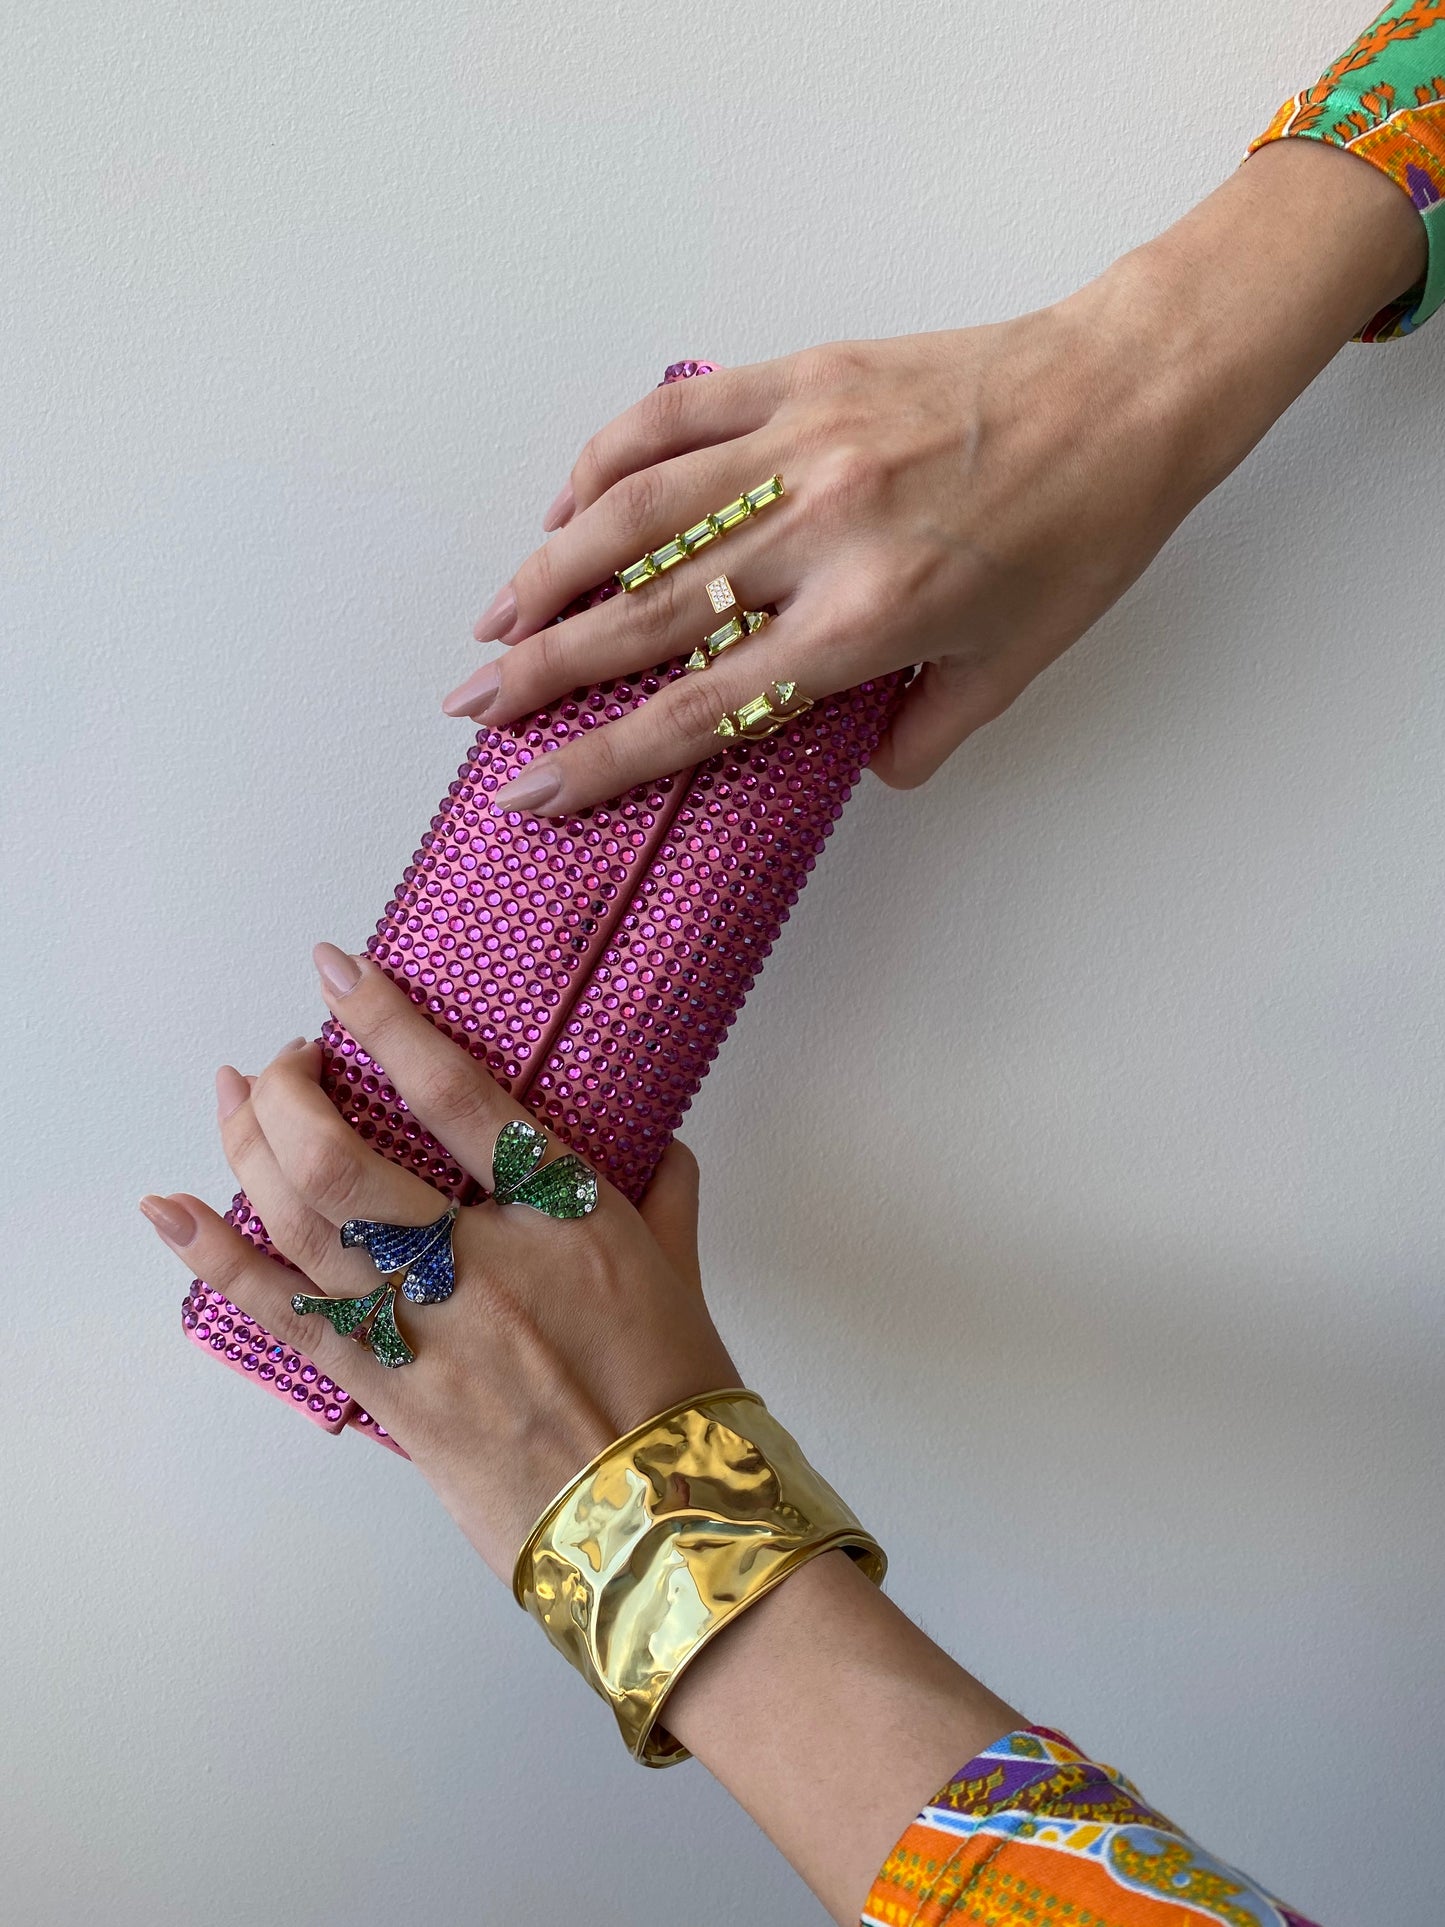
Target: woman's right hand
561, 1335
970, 500
834, 1717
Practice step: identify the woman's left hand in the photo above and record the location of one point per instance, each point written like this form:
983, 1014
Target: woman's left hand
560, 1335
970, 499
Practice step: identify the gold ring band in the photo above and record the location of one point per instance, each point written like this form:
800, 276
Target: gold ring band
765, 715
686, 544
742, 622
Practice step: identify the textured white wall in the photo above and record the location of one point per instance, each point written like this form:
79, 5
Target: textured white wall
306, 310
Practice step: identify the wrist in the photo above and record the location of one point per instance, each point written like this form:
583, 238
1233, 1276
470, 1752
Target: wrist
1303, 239
832, 1719
1231, 312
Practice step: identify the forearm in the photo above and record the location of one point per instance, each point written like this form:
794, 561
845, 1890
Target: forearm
824, 1711
1233, 310
831, 1718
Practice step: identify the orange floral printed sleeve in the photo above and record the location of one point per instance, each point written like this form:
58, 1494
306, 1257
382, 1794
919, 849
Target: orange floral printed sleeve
1033, 1833
1384, 99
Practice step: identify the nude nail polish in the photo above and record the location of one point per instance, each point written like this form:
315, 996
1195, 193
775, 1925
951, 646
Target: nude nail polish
498, 616
561, 511
475, 696
340, 973
172, 1220
232, 1090
529, 790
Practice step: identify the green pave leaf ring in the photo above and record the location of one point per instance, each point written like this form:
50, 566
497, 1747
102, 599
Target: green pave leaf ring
565, 1188
417, 1261
413, 1259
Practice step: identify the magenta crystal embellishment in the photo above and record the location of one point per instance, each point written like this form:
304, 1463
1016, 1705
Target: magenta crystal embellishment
594, 963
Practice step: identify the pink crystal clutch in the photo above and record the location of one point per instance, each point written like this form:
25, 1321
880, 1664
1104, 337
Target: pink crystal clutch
594, 963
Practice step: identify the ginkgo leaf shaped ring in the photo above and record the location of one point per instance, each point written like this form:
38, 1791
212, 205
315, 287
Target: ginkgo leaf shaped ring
565, 1188
416, 1260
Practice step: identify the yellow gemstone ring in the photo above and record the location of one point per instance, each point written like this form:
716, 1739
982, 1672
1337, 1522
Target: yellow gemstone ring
742, 622
684, 546
765, 715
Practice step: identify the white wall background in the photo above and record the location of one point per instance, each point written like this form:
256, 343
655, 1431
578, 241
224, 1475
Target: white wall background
305, 312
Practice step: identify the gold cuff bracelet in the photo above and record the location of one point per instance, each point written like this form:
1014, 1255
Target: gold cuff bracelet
667, 1536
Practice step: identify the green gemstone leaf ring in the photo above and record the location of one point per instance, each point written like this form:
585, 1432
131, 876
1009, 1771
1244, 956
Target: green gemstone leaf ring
417, 1261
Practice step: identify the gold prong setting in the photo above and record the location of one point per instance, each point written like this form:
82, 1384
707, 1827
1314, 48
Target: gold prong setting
746, 622
683, 546
765, 715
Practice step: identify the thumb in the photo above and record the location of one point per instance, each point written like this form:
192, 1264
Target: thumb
669, 1209
941, 706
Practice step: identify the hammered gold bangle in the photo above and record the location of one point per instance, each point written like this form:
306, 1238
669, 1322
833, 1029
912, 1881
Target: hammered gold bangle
667, 1536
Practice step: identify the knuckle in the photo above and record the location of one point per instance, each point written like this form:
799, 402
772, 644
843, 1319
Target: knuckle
325, 1174
302, 1331
262, 1086
633, 506
592, 469
241, 1133
606, 761
261, 1284
829, 365
535, 583
693, 709
654, 617
542, 662
223, 1263
647, 424
807, 426
845, 483
450, 1091
662, 410
305, 1239
806, 370
384, 1022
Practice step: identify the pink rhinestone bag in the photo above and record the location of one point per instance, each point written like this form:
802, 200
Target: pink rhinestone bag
593, 963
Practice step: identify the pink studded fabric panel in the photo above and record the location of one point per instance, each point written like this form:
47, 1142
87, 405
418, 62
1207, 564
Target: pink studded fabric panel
594, 963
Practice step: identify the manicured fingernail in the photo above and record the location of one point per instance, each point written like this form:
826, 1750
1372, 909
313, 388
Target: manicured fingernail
172, 1220
498, 616
297, 1043
232, 1090
529, 790
562, 509
476, 695
340, 973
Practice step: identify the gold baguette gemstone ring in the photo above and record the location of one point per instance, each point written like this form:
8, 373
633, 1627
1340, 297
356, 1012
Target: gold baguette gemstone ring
682, 547
765, 715
742, 622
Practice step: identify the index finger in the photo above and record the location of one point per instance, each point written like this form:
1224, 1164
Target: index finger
456, 1098
636, 483
675, 418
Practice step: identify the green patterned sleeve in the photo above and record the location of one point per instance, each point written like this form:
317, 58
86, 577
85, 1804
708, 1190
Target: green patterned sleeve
1384, 99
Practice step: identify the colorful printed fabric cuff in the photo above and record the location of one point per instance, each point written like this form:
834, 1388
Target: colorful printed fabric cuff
1384, 99
1033, 1831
